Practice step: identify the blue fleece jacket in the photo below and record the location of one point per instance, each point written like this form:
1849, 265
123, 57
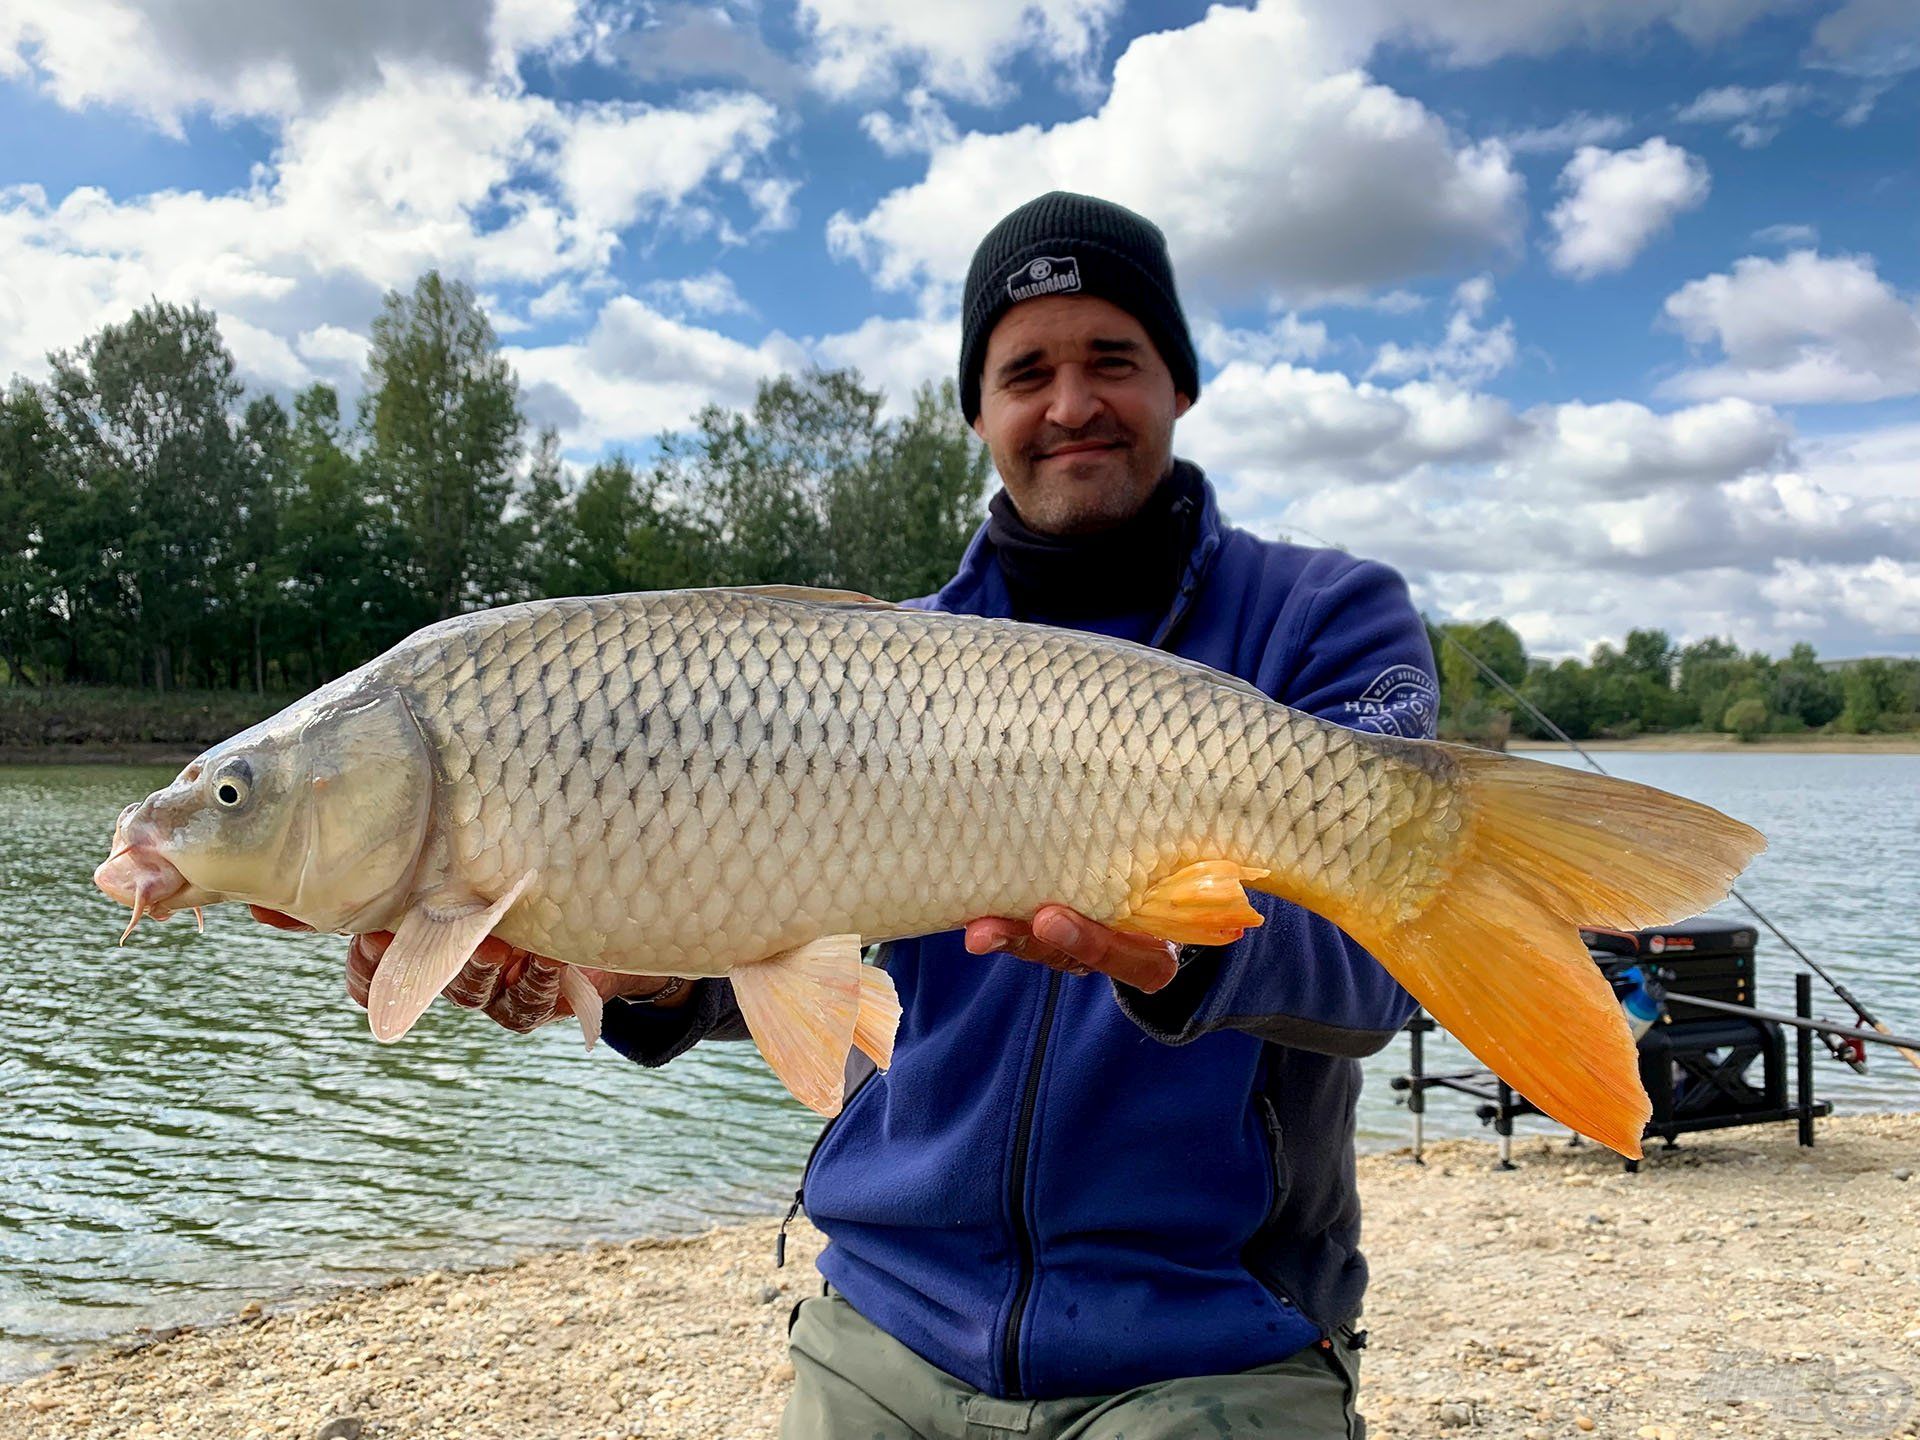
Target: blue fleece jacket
1067, 1187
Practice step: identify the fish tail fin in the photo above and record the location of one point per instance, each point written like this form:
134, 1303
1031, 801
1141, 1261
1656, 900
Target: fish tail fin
1495, 955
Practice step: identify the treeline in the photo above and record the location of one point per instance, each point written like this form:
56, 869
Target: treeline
162, 529
1650, 684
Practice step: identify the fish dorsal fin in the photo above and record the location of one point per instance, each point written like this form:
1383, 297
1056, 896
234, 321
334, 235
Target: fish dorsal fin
436, 938
803, 1007
815, 596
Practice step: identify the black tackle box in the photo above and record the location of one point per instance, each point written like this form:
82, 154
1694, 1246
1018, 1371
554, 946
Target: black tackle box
1709, 958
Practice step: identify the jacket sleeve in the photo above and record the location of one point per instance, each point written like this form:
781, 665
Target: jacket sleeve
652, 1036
1363, 662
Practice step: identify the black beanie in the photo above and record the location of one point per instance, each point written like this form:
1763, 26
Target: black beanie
1066, 244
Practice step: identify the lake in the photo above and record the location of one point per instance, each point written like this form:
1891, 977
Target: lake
191, 1122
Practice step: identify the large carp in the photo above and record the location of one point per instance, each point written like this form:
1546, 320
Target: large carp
751, 783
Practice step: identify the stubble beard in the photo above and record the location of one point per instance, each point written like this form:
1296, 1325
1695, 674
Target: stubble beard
1058, 498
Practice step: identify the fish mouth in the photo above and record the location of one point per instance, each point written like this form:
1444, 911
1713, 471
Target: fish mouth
136, 874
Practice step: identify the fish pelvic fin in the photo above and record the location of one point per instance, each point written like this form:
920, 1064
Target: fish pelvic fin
1495, 956
878, 1017
435, 939
802, 1007
1201, 904
584, 1001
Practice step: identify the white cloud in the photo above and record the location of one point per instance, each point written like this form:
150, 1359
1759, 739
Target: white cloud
1273, 176
1879, 597
1876, 38
496, 186
926, 128
709, 293
1467, 353
897, 355
639, 372
1578, 129
863, 46
1751, 116
1287, 338
1801, 235
1617, 201
1802, 328
257, 57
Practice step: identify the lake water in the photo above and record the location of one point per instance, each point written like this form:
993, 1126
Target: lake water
191, 1122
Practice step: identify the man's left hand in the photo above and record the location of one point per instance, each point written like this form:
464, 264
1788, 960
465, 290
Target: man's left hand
1064, 939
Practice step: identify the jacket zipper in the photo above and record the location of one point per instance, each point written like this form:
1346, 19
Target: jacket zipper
1273, 1287
1016, 1192
800, 1195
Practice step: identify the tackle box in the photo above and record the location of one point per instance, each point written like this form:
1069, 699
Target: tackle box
1709, 958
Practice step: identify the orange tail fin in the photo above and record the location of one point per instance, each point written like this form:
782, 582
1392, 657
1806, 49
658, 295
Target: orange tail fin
1495, 957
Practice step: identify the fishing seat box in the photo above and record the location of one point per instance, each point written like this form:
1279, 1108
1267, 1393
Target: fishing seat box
1709, 958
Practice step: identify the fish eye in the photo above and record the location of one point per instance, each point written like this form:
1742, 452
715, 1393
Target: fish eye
233, 784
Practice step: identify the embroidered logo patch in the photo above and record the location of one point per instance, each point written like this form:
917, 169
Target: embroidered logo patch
1048, 275
1402, 700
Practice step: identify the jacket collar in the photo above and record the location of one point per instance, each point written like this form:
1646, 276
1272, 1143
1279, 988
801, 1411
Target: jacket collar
980, 588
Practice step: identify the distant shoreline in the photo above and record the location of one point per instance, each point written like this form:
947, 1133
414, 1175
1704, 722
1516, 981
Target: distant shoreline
1717, 744
106, 753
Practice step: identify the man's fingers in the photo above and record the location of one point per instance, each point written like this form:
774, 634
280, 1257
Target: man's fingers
529, 999
363, 958
1137, 960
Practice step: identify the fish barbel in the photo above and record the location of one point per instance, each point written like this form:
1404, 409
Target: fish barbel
751, 783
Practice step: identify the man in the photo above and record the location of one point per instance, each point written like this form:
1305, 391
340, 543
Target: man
1109, 1193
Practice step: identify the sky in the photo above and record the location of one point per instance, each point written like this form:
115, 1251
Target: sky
1593, 315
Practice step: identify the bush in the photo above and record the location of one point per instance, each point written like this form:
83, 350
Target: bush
1747, 718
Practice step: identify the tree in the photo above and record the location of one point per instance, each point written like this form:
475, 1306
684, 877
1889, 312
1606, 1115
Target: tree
443, 418
1747, 718
144, 414
1870, 692
1566, 694
1804, 691
29, 497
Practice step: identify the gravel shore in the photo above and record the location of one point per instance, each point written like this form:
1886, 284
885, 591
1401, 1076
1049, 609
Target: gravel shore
1738, 1287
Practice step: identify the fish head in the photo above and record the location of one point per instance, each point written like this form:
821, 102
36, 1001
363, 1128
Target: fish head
320, 812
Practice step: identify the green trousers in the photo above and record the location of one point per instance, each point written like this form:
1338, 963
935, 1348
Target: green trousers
853, 1381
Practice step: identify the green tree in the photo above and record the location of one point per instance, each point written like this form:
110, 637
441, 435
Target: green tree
1871, 694
1747, 718
29, 498
1804, 691
1566, 693
144, 411
444, 424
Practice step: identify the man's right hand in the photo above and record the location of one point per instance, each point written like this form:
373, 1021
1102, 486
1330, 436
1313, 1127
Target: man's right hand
517, 989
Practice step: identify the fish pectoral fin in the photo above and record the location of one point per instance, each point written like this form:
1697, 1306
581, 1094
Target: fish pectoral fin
584, 1001
1203, 904
803, 1007
435, 939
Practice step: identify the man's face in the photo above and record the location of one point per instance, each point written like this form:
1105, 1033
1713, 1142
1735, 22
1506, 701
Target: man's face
1077, 408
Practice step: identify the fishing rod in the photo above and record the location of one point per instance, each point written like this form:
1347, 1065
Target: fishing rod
1850, 1051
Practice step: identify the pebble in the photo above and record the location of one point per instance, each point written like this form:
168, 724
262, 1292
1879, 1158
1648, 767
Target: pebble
769, 1294
1583, 1422
1903, 1173
341, 1427
1453, 1417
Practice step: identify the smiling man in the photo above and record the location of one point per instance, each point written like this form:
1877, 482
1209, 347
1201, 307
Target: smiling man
1110, 1193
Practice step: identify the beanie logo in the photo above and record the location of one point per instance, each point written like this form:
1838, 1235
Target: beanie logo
1048, 275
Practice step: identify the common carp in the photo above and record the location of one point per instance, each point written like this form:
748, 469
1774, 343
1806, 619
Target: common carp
755, 782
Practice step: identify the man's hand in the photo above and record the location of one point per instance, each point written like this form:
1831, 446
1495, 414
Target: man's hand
519, 990
1066, 940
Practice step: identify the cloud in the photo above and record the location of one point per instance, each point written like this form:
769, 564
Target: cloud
1287, 338
1617, 201
1805, 328
706, 43
499, 187
863, 47
1802, 235
1752, 116
1578, 129
1870, 38
272, 58
1467, 353
709, 293
925, 129
1274, 178
896, 355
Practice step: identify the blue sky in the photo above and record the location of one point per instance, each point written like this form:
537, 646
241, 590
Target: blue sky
1592, 315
